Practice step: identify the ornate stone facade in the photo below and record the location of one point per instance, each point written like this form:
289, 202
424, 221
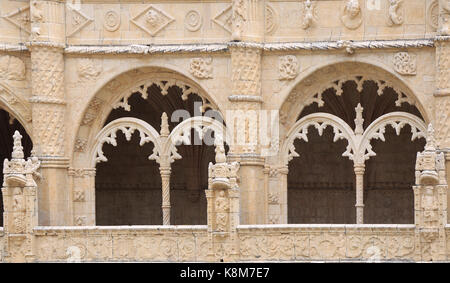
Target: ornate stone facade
307, 106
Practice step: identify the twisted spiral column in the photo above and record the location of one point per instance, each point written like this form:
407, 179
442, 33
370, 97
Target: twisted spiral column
165, 186
359, 173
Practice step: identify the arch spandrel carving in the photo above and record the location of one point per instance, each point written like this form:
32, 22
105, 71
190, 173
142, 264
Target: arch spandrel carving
112, 94
309, 87
15, 105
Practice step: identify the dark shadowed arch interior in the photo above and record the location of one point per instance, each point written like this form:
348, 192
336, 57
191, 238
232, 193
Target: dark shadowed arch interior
137, 194
8, 125
321, 182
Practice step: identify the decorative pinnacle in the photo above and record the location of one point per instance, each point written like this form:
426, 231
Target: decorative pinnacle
359, 120
17, 147
164, 125
431, 141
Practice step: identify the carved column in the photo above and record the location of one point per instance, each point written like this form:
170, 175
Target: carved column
430, 202
359, 173
165, 170
20, 204
48, 108
243, 122
165, 186
223, 208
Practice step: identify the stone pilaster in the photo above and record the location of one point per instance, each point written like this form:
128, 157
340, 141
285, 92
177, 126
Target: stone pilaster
243, 122
223, 208
248, 20
82, 180
20, 204
430, 202
48, 108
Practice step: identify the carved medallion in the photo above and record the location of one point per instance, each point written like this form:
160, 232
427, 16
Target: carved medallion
271, 20
405, 63
111, 21
288, 67
433, 14
193, 20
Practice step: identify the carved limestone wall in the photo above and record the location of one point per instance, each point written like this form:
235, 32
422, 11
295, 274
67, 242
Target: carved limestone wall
118, 243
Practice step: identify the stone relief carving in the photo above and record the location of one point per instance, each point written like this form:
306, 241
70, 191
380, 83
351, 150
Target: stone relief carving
80, 220
201, 68
76, 20
50, 132
308, 14
88, 70
152, 20
79, 195
36, 12
395, 15
442, 111
193, 20
271, 19
239, 17
443, 61
246, 76
405, 63
80, 145
111, 21
20, 18
221, 210
91, 112
12, 68
433, 14
224, 19
351, 14
288, 67
164, 85
444, 17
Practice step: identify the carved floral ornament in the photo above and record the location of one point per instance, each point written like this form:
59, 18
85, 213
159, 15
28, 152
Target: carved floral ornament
359, 148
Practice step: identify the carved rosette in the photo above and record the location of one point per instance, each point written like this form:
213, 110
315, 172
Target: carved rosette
405, 63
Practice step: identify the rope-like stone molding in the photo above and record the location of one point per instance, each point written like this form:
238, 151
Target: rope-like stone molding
12, 47
47, 100
224, 47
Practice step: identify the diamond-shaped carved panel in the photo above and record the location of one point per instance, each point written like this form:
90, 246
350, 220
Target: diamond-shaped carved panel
20, 18
152, 20
76, 20
223, 19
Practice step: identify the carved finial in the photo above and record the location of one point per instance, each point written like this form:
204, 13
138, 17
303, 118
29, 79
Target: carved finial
359, 120
164, 125
431, 141
17, 148
220, 153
